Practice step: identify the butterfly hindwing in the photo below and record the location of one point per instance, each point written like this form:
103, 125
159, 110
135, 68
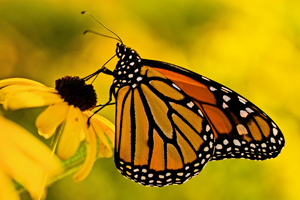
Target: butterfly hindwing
162, 137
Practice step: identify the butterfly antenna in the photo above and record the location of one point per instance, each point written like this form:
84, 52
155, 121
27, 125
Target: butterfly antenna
118, 38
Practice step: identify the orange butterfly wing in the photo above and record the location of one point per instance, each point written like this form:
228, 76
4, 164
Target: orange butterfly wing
241, 129
161, 138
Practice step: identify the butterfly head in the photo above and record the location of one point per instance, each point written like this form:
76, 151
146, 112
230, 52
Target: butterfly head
127, 71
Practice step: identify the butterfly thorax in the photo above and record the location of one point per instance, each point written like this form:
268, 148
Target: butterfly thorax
127, 71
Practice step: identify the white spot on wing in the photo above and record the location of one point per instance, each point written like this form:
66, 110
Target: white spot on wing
241, 129
211, 88
249, 110
224, 105
273, 140
226, 98
207, 128
243, 113
190, 104
202, 161
236, 142
242, 100
205, 78
225, 142
275, 131
175, 86
224, 89
199, 111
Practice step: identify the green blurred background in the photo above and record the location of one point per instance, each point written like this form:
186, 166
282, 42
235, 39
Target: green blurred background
251, 47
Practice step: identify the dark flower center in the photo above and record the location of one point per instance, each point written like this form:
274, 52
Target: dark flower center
74, 91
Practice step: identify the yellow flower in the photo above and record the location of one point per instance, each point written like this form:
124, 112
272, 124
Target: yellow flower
25, 159
70, 102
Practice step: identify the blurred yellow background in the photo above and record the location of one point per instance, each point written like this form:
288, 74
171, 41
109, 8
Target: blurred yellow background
252, 47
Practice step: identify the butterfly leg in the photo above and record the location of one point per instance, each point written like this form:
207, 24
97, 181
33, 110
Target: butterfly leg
111, 93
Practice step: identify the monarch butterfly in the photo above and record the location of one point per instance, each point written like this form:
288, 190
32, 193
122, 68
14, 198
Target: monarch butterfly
171, 121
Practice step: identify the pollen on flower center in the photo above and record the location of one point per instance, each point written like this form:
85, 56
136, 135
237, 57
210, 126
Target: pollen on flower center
74, 91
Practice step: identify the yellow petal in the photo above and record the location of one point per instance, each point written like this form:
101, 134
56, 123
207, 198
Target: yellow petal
102, 139
51, 118
19, 138
106, 125
23, 88
20, 166
18, 81
70, 137
9, 91
24, 158
31, 99
87, 166
104, 151
7, 188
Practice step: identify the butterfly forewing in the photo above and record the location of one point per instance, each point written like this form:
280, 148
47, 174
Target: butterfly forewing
241, 129
161, 137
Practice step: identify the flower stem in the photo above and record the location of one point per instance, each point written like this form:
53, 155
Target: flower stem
56, 137
53, 146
